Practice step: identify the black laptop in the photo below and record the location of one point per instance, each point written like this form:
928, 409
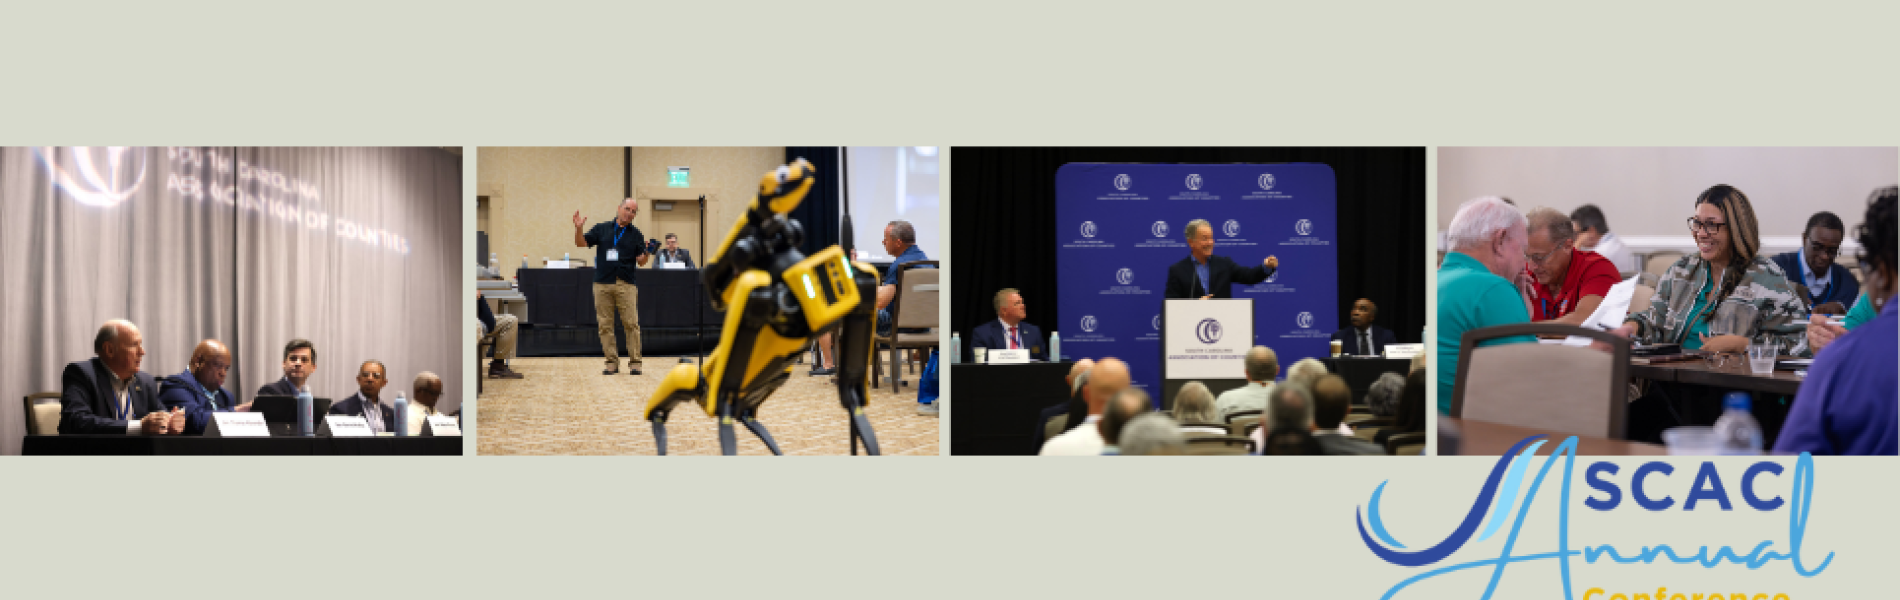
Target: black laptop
280, 413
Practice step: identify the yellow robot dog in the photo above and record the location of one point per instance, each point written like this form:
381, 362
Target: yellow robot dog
776, 299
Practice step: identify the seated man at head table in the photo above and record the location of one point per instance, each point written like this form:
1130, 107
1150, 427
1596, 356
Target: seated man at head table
1332, 401
1479, 282
1204, 275
673, 253
1009, 331
1564, 285
427, 392
300, 362
109, 395
1831, 287
367, 402
1364, 338
1846, 405
1108, 378
1122, 408
199, 390
1262, 367
1593, 235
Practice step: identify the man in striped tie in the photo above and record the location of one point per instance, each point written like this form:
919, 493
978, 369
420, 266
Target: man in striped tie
1008, 331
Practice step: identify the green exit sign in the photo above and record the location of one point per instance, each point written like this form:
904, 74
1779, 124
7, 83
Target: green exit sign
679, 177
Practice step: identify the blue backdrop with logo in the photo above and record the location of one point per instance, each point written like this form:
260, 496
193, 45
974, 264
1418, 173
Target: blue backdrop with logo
1120, 226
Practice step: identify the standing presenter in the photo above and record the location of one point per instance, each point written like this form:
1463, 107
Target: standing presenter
1203, 275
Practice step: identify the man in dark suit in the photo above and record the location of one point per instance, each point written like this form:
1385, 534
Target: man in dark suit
1364, 338
367, 402
300, 362
199, 390
1831, 287
109, 395
674, 253
1203, 275
1008, 331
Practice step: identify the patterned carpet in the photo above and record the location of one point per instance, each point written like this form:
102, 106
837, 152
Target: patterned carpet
566, 407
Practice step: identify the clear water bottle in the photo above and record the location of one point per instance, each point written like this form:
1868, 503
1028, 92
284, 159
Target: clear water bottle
305, 420
956, 348
402, 415
564, 256
524, 261
1737, 429
1055, 347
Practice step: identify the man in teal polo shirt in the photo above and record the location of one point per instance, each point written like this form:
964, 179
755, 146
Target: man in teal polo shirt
1487, 239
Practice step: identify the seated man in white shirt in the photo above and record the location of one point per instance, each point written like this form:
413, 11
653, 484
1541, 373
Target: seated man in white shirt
1108, 378
427, 392
1593, 235
1262, 367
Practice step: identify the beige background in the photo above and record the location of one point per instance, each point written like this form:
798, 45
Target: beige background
533, 193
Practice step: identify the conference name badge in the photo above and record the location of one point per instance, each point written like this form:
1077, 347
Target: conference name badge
345, 426
613, 255
1009, 357
237, 424
439, 425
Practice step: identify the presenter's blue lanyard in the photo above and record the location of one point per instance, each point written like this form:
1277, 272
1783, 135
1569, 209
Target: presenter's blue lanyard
617, 233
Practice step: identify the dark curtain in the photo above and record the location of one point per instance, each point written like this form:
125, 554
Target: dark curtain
1005, 221
819, 212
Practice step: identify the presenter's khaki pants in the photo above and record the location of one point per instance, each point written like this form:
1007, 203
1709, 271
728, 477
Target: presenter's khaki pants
626, 297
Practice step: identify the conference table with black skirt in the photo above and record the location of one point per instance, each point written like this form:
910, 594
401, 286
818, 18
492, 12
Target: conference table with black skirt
996, 407
182, 445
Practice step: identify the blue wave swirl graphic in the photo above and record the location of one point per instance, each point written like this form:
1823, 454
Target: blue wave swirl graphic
1458, 537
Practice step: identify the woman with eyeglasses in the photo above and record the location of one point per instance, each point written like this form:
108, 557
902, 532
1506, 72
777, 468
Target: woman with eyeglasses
1727, 269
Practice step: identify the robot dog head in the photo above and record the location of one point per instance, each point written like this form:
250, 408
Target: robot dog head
783, 188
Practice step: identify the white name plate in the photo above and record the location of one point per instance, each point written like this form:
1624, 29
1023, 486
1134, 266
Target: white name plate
559, 264
1403, 350
673, 265
440, 425
345, 426
237, 424
1009, 357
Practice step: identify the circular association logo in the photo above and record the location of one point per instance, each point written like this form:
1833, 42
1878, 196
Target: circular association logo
1231, 228
1304, 227
1305, 320
1088, 229
1089, 323
1160, 229
1123, 182
1124, 276
96, 176
1155, 322
1266, 181
1208, 331
1194, 181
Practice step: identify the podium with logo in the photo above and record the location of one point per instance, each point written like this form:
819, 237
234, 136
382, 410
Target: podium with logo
1205, 341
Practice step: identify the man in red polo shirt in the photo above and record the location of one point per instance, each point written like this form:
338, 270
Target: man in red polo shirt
1566, 284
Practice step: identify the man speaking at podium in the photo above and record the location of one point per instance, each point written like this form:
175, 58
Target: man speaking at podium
1203, 275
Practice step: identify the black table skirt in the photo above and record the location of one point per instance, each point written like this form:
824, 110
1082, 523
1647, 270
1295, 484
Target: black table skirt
1361, 372
994, 408
122, 445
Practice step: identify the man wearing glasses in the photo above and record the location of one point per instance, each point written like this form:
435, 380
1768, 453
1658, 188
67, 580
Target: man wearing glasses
1831, 287
1565, 284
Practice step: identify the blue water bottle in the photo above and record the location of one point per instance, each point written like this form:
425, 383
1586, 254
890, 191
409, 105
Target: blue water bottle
402, 415
956, 348
305, 419
1055, 347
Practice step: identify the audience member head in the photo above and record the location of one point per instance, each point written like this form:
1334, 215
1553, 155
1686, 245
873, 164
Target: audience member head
1877, 239
1109, 377
1548, 245
1263, 366
1306, 372
1332, 399
1590, 225
210, 362
1726, 235
1124, 406
371, 376
1383, 397
428, 389
1492, 232
1411, 415
899, 236
1291, 442
1152, 434
120, 346
300, 361
1289, 405
1009, 306
1363, 312
1078, 373
1194, 404
1200, 239
1821, 241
